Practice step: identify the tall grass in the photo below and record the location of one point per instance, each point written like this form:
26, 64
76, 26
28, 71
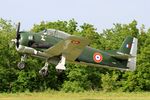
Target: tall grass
91, 95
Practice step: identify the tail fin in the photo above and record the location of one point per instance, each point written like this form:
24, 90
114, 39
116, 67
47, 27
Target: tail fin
129, 47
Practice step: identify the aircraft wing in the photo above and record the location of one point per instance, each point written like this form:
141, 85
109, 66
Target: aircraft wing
71, 47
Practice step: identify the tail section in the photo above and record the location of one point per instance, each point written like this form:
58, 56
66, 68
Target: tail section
129, 47
133, 52
126, 46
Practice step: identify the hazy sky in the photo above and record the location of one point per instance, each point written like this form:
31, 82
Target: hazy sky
101, 13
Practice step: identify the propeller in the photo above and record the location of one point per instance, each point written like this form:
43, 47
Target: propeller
16, 40
18, 35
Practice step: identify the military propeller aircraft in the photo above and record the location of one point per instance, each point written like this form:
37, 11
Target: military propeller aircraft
58, 47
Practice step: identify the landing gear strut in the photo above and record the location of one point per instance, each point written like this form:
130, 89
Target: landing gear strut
44, 70
21, 64
59, 68
61, 65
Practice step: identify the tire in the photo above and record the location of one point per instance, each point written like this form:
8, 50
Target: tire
59, 71
21, 65
43, 72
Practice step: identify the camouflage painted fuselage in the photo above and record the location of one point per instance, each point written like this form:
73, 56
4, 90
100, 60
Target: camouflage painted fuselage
43, 40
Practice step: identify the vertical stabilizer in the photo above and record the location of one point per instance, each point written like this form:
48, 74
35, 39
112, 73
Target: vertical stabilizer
126, 45
129, 48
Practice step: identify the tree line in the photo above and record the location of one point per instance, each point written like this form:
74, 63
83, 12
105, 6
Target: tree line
77, 78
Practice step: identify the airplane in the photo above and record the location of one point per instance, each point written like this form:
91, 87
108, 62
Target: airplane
57, 47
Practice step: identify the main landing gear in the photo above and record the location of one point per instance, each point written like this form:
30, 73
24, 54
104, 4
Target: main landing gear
21, 64
44, 70
59, 68
61, 65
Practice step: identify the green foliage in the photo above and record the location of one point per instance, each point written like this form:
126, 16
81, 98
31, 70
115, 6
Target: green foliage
77, 78
70, 26
110, 81
74, 86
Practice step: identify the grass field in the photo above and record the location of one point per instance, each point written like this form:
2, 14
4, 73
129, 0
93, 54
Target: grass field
76, 96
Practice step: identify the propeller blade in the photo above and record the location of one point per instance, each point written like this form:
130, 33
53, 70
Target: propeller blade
18, 35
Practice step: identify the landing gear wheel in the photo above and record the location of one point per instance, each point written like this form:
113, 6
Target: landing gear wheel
59, 71
43, 72
21, 65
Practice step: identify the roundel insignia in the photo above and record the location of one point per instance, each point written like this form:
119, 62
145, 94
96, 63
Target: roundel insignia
75, 42
97, 57
128, 45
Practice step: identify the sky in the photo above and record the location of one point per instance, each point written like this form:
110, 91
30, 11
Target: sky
100, 13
